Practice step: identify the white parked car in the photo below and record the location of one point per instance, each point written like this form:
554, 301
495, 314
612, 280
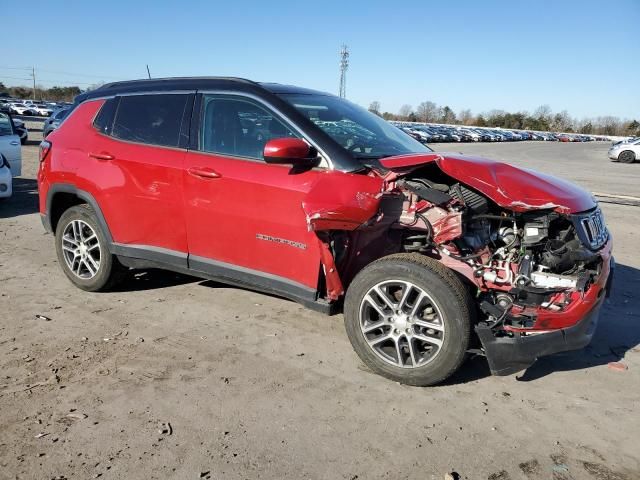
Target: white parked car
625, 152
10, 155
474, 136
22, 109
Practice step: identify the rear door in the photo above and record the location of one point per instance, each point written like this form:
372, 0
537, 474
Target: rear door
10, 145
135, 164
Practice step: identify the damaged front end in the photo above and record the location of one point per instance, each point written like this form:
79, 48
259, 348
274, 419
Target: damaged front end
535, 249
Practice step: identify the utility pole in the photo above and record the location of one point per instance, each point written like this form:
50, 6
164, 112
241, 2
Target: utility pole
33, 74
344, 64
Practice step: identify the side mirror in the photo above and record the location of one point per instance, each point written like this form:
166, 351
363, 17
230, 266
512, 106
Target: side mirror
289, 151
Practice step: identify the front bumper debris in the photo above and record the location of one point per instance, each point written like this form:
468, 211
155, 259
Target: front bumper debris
510, 354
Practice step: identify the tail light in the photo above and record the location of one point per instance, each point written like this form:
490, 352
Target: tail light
45, 146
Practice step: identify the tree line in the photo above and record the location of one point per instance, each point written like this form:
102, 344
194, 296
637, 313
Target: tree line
54, 94
542, 119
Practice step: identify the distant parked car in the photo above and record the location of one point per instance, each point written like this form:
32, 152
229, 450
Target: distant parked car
42, 110
474, 136
10, 155
625, 152
484, 135
21, 130
22, 109
54, 121
412, 133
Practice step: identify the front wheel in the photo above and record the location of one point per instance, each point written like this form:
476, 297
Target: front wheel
83, 253
408, 318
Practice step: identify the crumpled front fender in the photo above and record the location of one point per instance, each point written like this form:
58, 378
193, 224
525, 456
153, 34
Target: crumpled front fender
346, 208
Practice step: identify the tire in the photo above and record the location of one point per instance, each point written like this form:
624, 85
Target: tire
627, 156
444, 315
102, 271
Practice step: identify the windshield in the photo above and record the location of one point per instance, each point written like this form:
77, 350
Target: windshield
363, 134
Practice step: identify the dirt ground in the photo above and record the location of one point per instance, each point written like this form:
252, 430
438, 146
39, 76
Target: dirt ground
173, 377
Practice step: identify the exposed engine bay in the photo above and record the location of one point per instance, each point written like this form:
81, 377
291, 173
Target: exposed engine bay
523, 263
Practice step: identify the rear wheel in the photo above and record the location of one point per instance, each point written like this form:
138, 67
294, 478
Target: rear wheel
83, 253
627, 157
408, 319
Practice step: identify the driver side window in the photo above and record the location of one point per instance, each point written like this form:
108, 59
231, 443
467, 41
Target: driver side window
238, 127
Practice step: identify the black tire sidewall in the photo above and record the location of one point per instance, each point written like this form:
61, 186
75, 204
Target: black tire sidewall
452, 306
630, 154
101, 279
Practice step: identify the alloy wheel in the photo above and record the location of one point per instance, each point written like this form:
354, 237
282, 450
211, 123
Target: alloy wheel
402, 324
81, 249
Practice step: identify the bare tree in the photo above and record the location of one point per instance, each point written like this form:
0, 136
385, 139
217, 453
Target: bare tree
543, 112
405, 111
465, 117
374, 107
427, 112
562, 121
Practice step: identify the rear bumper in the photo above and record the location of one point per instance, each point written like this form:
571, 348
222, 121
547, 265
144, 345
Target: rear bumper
6, 183
510, 354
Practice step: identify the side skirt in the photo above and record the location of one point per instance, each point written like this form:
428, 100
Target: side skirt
138, 256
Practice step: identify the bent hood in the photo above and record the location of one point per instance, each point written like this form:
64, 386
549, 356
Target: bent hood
510, 187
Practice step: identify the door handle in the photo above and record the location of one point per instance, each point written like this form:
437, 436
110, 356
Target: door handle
14, 142
203, 172
101, 156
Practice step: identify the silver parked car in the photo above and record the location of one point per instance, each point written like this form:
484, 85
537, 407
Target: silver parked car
10, 155
54, 121
625, 152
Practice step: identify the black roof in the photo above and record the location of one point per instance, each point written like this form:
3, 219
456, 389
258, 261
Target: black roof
192, 83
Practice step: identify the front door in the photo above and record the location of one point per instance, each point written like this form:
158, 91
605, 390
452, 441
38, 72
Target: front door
244, 217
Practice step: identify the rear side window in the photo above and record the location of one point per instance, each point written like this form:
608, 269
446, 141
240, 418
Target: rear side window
152, 119
61, 114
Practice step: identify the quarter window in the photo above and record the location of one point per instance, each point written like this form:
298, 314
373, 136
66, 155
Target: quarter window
238, 127
151, 119
104, 119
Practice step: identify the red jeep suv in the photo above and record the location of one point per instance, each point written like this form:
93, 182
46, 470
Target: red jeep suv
307, 196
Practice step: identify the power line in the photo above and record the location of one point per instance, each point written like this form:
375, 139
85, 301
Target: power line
16, 78
60, 72
17, 68
48, 80
79, 74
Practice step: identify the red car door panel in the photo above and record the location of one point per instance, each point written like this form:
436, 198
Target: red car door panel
249, 214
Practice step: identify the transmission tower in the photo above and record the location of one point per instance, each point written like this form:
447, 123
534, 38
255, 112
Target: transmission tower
344, 64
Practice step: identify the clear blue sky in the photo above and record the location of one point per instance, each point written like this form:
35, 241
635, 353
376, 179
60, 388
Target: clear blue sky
582, 55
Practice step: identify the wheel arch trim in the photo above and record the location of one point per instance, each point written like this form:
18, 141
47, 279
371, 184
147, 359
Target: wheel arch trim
81, 194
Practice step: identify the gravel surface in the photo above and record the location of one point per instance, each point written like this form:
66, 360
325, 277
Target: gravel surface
173, 377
